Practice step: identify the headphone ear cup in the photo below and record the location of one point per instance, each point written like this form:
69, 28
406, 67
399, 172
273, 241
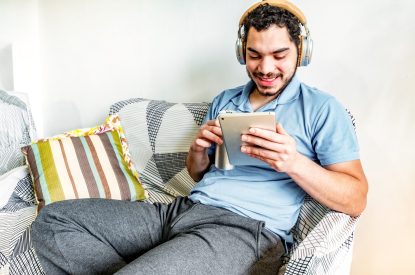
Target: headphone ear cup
300, 51
239, 50
305, 51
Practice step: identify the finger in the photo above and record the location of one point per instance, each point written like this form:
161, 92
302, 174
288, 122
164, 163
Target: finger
211, 133
203, 143
267, 134
211, 137
263, 143
213, 122
281, 129
272, 163
268, 161
213, 126
260, 153
218, 128
217, 123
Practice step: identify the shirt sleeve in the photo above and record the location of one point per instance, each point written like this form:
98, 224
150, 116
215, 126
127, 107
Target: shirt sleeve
334, 139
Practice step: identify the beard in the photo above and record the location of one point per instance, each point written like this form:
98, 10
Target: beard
271, 75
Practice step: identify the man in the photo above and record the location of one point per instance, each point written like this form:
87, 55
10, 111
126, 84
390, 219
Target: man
237, 221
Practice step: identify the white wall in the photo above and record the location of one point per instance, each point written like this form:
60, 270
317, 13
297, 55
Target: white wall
19, 51
93, 53
98, 52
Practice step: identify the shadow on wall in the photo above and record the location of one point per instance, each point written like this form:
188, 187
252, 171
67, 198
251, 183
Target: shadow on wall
69, 117
210, 77
6, 66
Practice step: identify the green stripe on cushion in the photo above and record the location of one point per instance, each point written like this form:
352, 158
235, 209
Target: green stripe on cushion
40, 179
50, 174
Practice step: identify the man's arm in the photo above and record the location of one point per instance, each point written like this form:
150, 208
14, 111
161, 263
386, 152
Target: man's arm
341, 186
198, 161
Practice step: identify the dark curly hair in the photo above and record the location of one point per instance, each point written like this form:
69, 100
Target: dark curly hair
264, 16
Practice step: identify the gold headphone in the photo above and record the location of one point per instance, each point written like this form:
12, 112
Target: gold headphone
305, 47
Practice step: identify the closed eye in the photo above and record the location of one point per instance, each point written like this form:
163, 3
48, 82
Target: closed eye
254, 56
279, 57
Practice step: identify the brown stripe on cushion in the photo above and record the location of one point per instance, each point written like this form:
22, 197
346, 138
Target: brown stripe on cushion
122, 181
98, 167
85, 168
31, 159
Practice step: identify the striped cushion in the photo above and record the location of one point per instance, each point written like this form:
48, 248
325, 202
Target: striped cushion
90, 166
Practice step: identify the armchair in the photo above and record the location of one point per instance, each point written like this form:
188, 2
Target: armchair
159, 134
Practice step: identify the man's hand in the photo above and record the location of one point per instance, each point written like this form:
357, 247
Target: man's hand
278, 149
198, 160
208, 133
341, 186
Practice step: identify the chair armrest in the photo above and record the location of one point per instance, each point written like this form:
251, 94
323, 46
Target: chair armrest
323, 240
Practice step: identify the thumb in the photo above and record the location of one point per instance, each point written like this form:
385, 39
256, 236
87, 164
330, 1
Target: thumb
281, 130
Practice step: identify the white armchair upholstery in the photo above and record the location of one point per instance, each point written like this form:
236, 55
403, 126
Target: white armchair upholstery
16, 129
323, 241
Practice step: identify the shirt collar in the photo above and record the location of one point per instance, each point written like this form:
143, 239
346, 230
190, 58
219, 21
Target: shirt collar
290, 93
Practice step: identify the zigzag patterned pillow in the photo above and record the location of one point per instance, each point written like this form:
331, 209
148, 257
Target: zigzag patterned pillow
159, 135
16, 130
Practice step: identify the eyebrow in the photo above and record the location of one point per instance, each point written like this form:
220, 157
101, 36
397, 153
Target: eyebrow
274, 52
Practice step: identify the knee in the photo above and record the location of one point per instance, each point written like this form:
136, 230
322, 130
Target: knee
41, 228
46, 218
47, 212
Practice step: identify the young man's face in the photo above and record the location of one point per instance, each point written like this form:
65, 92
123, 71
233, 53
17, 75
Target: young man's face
271, 59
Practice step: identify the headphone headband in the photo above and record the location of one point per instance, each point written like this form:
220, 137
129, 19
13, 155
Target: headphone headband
277, 3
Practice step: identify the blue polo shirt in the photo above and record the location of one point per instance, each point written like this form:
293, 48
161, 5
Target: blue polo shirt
323, 132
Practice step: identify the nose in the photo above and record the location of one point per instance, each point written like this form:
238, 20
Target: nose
267, 65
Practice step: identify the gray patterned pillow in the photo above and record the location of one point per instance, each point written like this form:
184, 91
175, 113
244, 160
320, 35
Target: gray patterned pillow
16, 130
159, 135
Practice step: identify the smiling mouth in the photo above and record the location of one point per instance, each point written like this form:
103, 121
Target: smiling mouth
267, 81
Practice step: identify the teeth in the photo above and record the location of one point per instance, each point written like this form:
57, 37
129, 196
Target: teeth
267, 79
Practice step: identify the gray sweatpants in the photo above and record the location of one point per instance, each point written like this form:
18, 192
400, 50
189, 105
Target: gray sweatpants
97, 236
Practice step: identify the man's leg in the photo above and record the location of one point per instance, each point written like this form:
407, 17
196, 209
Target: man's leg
93, 236
208, 240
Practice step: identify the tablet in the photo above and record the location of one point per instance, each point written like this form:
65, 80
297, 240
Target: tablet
233, 125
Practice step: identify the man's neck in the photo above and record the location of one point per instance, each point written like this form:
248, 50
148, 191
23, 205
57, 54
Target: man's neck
257, 100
